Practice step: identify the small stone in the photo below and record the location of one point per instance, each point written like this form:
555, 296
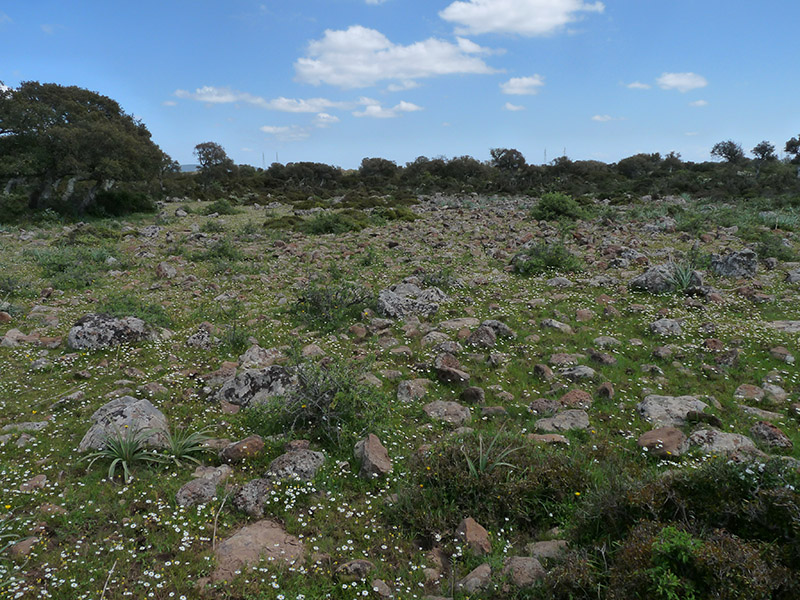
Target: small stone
547, 550
473, 395
35, 483
381, 589
564, 421
782, 354
558, 326
477, 579
747, 391
576, 399
374, 458
523, 571
606, 390
542, 371
475, 536
666, 327
450, 412
23, 548
297, 464
244, 449
354, 570
664, 442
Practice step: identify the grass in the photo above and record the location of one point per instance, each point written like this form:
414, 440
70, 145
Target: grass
628, 516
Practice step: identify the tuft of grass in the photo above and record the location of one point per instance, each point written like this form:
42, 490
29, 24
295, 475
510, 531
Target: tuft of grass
329, 306
221, 207
183, 446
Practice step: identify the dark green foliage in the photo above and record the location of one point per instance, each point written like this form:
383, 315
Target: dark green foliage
130, 305
290, 222
543, 257
72, 267
115, 203
221, 207
335, 222
536, 492
556, 206
13, 206
329, 406
772, 246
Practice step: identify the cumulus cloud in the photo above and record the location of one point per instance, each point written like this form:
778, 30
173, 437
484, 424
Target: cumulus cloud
325, 120
521, 86
512, 107
169, 103
683, 82
698, 103
374, 109
602, 118
360, 57
638, 85
402, 86
523, 17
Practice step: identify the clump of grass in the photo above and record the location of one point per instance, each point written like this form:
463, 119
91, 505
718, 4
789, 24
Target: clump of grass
222, 250
546, 256
772, 246
125, 450
129, 305
335, 222
72, 267
212, 226
183, 446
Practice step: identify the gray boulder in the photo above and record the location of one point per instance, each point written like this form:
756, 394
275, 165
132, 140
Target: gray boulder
126, 414
296, 464
666, 327
197, 491
406, 299
564, 421
450, 412
250, 497
743, 263
659, 279
97, 331
669, 411
255, 386
711, 441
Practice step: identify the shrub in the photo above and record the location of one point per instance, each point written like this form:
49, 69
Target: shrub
329, 405
557, 206
339, 222
546, 256
772, 246
72, 268
120, 202
221, 207
13, 207
328, 306
536, 488
444, 278
124, 450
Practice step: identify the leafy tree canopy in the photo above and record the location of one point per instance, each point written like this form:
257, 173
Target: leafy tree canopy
729, 151
49, 132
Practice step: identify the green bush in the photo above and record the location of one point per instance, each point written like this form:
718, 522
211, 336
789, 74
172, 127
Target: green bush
557, 206
329, 405
120, 202
772, 246
330, 305
13, 207
72, 267
546, 256
221, 207
338, 222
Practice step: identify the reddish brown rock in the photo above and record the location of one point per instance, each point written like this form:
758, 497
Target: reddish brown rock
475, 536
244, 449
664, 442
576, 399
606, 390
770, 435
374, 458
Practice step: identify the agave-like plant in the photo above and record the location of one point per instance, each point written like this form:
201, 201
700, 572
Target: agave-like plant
182, 446
681, 275
124, 449
486, 462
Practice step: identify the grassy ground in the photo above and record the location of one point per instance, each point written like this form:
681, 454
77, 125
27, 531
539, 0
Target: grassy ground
116, 540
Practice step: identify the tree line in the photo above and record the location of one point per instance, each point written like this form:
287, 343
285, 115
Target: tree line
77, 152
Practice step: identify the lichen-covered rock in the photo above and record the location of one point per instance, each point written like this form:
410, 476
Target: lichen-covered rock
666, 327
97, 331
250, 497
126, 414
735, 445
255, 386
197, 491
296, 464
406, 299
669, 411
450, 412
564, 421
743, 263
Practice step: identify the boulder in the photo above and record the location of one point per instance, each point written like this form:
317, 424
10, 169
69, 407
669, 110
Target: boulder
256, 357
296, 464
354, 570
483, 337
450, 412
666, 327
97, 331
197, 491
522, 571
413, 389
374, 458
771, 436
256, 386
664, 442
564, 421
477, 579
250, 497
656, 280
669, 411
238, 451
576, 399
263, 539
126, 414
406, 299
475, 536
501, 330
711, 441
743, 263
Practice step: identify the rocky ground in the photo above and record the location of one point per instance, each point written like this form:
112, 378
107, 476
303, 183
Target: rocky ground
395, 412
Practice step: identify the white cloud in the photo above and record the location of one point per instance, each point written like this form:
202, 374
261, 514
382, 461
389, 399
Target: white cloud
374, 109
169, 103
638, 85
602, 118
683, 82
402, 86
520, 86
512, 107
324, 120
698, 103
291, 133
223, 95
524, 17
691, 133
49, 29
361, 57
375, 1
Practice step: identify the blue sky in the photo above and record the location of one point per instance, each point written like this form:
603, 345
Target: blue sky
338, 80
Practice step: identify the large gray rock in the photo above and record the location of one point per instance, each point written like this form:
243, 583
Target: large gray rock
406, 299
256, 386
523, 571
197, 491
262, 540
250, 497
126, 414
296, 464
450, 412
711, 441
564, 421
656, 280
669, 411
666, 327
477, 579
743, 263
412, 389
98, 331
